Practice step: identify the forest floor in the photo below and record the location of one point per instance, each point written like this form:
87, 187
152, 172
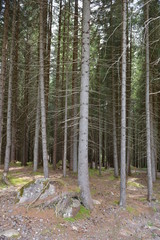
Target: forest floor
107, 221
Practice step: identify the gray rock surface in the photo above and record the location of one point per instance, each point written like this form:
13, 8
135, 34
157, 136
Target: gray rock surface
38, 189
9, 233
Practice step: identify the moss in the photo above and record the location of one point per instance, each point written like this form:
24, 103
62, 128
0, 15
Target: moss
131, 210
77, 189
70, 219
112, 178
18, 181
2, 185
150, 224
25, 186
93, 172
83, 213
36, 173
142, 199
116, 202
135, 184
15, 164
155, 209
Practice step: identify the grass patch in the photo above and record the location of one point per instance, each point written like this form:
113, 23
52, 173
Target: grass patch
83, 213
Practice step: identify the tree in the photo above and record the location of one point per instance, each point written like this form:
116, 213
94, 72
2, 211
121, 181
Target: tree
83, 175
3, 69
149, 169
74, 86
57, 86
123, 111
42, 93
9, 106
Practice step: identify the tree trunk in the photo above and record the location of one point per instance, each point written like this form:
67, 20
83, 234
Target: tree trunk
25, 134
57, 90
42, 95
3, 69
149, 169
83, 175
123, 112
15, 92
66, 96
9, 107
36, 139
74, 87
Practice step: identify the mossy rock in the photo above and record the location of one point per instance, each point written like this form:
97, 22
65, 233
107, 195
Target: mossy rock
81, 214
36, 189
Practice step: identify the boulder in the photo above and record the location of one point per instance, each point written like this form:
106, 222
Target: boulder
38, 189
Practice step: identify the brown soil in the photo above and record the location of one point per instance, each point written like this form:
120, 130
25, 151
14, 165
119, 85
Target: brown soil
107, 221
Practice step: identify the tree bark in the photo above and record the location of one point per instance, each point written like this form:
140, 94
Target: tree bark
57, 90
3, 69
83, 175
74, 87
66, 97
123, 111
149, 169
42, 95
36, 139
9, 107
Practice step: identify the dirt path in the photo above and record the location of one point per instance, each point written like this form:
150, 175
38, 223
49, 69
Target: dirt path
107, 221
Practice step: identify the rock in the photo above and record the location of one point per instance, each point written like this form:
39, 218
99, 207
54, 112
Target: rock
37, 189
67, 207
9, 233
96, 202
75, 228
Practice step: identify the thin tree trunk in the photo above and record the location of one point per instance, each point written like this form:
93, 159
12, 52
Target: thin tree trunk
66, 96
57, 90
83, 175
153, 145
48, 52
149, 168
3, 69
36, 139
123, 111
74, 87
115, 154
9, 107
25, 134
42, 96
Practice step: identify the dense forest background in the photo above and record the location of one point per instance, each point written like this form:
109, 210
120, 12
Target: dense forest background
40, 83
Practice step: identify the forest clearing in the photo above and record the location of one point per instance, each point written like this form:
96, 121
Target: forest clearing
107, 221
